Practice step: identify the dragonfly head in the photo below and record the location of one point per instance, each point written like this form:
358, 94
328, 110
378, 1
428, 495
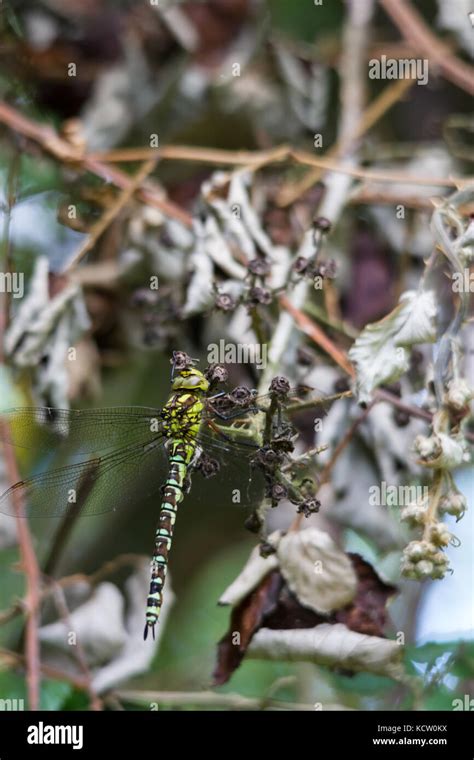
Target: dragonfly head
190, 379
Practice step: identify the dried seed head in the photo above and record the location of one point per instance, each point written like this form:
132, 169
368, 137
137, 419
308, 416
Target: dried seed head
225, 302
208, 466
278, 492
242, 396
326, 269
309, 507
424, 569
413, 514
428, 447
181, 360
259, 266
322, 224
453, 504
259, 296
458, 396
300, 265
253, 523
216, 373
280, 386
439, 534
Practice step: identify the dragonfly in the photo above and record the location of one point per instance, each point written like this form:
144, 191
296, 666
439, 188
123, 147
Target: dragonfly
196, 431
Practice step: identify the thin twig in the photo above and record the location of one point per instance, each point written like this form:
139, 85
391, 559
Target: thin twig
59, 598
377, 108
31, 569
311, 329
325, 474
29, 561
417, 33
302, 157
205, 699
51, 142
110, 214
337, 186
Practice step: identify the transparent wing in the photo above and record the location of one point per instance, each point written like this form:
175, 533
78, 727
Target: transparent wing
92, 487
86, 430
236, 482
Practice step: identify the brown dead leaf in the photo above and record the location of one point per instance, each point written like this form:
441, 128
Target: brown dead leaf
273, 605
245, 620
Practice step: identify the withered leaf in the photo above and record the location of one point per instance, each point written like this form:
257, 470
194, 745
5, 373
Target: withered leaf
246, 618
272, 604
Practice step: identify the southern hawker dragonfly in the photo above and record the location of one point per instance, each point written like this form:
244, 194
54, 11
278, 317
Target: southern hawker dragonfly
198, 430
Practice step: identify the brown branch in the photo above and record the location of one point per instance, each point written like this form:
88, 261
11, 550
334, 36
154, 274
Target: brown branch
327, 470
15, 659
363, 196
29, 561
417, 33
377, 108
110, 214
311, 329
59, 598
197, 154
303, 157
51, 142
31, 569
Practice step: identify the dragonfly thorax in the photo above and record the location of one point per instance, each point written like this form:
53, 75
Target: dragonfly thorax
190, 379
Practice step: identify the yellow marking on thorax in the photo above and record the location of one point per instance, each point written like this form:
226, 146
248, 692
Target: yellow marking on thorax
183, 415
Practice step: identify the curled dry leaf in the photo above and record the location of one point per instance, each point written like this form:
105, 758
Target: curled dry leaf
254, 571
320, 574
245, 620
332, 646
381, 352
109, 631
441, 451
98, 625
273, 605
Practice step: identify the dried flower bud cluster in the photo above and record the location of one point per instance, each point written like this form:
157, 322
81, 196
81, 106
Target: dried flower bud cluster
453, 504
457, 398
425, 559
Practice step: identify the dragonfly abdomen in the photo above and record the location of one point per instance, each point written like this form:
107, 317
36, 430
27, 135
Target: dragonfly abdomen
180, 454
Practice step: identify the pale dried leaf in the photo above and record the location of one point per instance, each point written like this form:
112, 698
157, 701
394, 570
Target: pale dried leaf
136, 655
316, 570
332, 646
380, 352
98, 625
253, 572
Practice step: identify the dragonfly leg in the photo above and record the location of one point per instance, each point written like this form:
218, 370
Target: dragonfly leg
228, 438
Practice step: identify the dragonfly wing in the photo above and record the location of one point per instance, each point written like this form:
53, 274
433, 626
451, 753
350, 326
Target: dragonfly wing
236, 481
98, 485
86, 430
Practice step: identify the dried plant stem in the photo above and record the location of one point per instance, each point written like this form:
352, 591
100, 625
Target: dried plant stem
337, 185
205, 699
436, 492
110, 214
417, 33
29, 561
59, 598
325, 474
51, 142
30, 566
303, 157
319, 337
379, 106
